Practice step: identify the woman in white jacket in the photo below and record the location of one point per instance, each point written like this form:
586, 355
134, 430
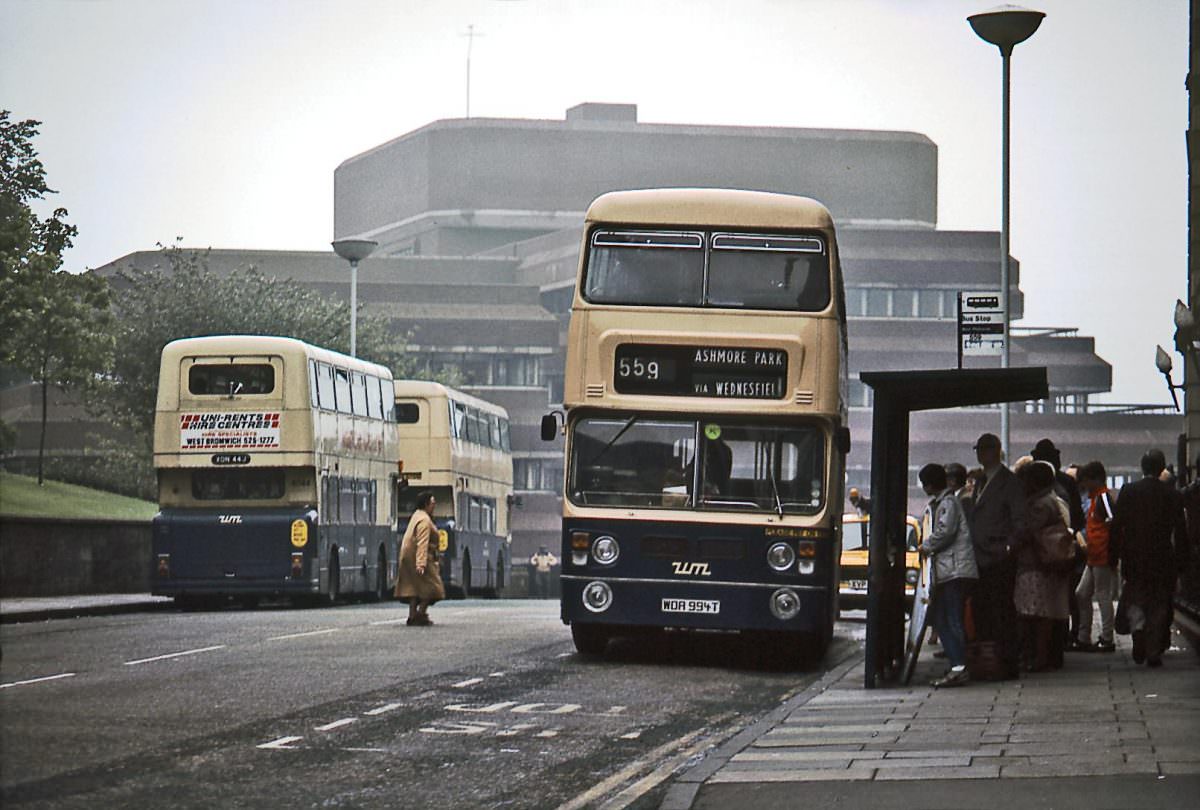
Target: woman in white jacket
953, 558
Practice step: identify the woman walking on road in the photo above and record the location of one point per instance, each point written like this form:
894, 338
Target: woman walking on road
420, 579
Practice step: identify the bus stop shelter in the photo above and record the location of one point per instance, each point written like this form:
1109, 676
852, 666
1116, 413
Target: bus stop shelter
896, 395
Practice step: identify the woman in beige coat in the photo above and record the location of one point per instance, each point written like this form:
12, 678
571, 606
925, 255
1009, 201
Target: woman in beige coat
420, 579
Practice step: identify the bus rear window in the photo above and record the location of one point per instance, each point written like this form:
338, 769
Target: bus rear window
231, 379
237, 485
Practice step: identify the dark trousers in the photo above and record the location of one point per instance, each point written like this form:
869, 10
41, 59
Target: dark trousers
947, 619
994, 611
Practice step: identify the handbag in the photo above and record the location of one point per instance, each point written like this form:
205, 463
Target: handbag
1055, 547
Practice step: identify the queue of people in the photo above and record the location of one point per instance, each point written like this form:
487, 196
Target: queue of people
1019, 556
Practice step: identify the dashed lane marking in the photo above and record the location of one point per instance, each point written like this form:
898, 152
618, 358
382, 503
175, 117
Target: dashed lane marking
309, 633
174, 655
383, 709
564, 655
38, 680
496, 675
280, 744
550, 732
389, 621
345, 721
632, 735
466, 683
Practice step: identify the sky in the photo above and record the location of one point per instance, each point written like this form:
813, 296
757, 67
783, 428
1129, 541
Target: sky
221, 121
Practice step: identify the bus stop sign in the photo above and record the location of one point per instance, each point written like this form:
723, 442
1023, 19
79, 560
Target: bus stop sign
980, 324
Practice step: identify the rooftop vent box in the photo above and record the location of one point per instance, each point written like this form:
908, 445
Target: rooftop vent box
591, 111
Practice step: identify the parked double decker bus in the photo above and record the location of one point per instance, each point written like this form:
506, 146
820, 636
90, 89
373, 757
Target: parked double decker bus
457, 446
705, 419
276, 465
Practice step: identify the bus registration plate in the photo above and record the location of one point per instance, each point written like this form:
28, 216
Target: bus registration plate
691, 606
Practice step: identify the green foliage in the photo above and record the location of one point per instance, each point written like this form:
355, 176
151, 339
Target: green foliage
180, 296
54, 326
22, 496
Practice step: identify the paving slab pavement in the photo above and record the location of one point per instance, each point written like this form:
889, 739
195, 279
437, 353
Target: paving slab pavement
1102, 732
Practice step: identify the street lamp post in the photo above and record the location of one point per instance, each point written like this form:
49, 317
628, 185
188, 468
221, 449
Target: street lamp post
1005, 27
354, 251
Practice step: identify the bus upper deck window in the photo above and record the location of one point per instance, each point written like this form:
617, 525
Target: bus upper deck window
231, 379
408, 413
757, 271
374, 405
358, 394
656, 268
341, 390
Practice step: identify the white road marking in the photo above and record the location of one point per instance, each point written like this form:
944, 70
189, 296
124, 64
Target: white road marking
564, 655
620, 777
376, 624
443, 727
547, 733
513, 731
466, 683
632, 735
369, 750
491, 708
383, 709
174, 655
496, 675
336, 724
536, 708
38, 680
302, 635
281, 744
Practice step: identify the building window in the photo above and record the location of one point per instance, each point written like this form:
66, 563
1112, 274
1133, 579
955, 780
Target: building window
904, 303
930, 303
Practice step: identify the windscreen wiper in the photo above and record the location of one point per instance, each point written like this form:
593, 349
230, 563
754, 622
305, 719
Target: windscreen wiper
613, 440
775, 489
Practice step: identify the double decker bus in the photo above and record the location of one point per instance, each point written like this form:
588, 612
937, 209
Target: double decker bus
276, 465
457, 446
705, 419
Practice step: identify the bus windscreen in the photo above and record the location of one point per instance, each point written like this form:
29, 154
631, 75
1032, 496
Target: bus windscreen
636, 462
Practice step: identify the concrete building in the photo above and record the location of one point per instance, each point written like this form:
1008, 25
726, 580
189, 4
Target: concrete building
479, 224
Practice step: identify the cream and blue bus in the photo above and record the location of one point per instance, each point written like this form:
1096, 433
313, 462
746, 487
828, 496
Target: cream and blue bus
705, 419
277, 468
457, 446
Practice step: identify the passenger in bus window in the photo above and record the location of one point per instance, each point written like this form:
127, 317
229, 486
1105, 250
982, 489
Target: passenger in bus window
420, 580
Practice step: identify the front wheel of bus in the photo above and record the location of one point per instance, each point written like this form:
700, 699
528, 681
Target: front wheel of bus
381, 577
590, 639
335, 576
466, 577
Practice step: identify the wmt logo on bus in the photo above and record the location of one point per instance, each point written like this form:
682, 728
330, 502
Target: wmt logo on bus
691, 569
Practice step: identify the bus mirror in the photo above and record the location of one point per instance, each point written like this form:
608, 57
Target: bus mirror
841, 439
549, 427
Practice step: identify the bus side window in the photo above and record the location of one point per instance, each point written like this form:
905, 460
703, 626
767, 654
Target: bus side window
494, 429
312, 384
459, 420
325, 387
358, 394
505, 443
387, 395
374, 405
341, 390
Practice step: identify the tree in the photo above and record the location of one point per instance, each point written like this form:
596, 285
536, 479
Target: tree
180, 296
54, 326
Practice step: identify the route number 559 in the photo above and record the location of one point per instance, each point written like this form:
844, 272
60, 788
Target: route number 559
637, 367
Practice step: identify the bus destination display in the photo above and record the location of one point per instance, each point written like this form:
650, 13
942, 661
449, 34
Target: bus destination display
731, 372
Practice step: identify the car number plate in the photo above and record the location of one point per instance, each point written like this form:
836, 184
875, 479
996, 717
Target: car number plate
691, 606
856, 584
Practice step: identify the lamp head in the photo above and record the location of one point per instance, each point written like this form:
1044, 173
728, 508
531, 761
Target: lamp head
1162, 360
1006, 26
1184, 317
354, 250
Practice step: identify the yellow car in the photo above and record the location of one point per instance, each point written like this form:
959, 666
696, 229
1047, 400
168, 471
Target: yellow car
852, 591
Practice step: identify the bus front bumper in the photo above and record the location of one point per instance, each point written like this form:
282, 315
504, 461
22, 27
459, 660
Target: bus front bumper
632, 602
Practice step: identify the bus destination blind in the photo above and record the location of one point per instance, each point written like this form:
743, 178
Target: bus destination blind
729, 372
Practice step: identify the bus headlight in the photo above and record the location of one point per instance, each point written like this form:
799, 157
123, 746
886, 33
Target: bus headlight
597, 596
785, 604
605, 550
781, 557
807, 567
911, 576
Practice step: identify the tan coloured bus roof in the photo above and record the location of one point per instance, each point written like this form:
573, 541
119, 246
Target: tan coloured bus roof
424, 388
242, 345
709, 206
